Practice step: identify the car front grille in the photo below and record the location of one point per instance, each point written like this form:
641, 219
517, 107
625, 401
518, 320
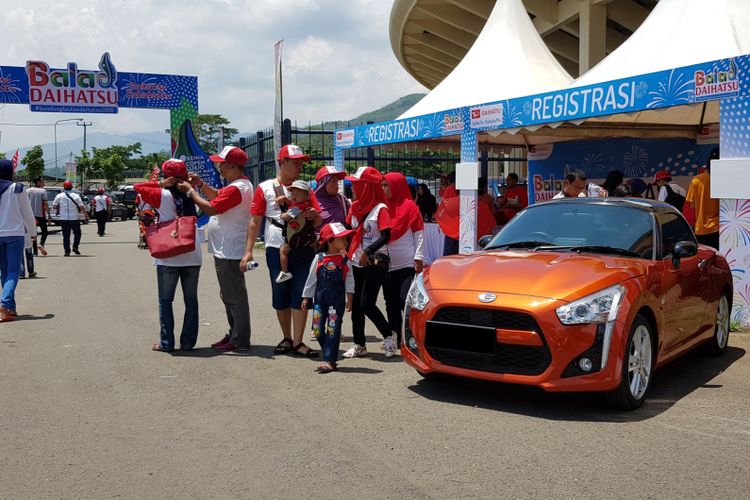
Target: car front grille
466, 338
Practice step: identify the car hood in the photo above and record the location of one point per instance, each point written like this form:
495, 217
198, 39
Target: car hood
553, 275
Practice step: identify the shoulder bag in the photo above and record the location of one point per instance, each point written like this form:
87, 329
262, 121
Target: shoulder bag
171, 238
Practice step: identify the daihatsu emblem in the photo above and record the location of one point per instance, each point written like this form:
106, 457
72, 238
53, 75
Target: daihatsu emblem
487, 297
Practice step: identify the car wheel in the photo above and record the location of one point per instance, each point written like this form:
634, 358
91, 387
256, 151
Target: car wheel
637, 367
718, 343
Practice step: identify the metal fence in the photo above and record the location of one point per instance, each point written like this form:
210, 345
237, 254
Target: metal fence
422, 162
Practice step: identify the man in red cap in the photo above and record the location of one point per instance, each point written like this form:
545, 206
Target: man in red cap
102, 209
270, 201
227, 231
68, 205
669, 191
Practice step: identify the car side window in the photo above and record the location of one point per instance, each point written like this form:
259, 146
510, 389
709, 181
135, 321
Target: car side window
673, 229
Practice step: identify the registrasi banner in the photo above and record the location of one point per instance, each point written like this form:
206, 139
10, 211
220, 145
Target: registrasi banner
664, 89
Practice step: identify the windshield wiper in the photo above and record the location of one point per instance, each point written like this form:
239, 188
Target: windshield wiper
591, 248
519, 244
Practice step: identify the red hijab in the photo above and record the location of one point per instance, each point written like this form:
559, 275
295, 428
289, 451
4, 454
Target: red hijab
369, 194
404, 212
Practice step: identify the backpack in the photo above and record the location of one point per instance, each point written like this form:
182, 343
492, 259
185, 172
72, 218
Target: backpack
673, 198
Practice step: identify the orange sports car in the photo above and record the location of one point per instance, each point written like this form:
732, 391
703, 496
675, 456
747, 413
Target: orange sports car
572, 295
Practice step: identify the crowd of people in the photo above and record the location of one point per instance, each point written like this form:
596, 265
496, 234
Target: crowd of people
695, 203
323, 252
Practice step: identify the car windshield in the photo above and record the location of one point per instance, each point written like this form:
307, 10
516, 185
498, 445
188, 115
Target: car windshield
582, 227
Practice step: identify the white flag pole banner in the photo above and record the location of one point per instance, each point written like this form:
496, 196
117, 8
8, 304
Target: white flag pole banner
279, 110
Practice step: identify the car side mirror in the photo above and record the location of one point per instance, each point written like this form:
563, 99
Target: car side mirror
681, 250
485, 240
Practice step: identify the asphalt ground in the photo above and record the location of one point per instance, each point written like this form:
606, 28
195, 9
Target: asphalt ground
88, 411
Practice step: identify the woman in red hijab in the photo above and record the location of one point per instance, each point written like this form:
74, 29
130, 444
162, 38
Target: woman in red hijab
405, 247
370, 218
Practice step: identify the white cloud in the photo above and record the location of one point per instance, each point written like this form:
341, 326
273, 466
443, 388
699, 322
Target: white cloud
337, 58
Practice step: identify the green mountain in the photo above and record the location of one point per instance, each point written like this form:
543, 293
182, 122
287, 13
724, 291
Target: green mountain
387, 113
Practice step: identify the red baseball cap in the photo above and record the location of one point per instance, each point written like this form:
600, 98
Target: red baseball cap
324, 172
334, 230
293, 152
174, 168
67, 185
662, 175
230, 154
100, 190
366, 174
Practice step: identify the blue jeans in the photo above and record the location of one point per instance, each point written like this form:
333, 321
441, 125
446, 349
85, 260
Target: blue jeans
29, 265
167, 278
289, 293
11, 253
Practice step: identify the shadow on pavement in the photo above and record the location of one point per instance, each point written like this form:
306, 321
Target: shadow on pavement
357, 369
29, 317
256, 351
671, 383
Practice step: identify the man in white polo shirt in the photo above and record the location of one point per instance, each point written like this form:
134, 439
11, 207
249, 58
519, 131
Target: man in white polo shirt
68, 205
227, 231
271, 198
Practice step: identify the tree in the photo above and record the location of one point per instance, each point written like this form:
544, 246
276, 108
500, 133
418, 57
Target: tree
2, 155
34, 162
207, 130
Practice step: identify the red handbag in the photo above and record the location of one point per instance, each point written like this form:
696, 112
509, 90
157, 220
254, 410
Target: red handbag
171, 238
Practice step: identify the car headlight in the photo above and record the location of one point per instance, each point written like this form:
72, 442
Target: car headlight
600, 307
417, 297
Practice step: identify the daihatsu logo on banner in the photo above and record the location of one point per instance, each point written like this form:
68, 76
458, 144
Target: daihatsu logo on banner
345, 138
490, 115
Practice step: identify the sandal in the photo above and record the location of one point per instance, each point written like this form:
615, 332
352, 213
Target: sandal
326, 367
309, 353
283, 347
159, 348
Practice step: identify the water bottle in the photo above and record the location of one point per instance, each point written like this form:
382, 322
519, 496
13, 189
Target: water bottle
252, 265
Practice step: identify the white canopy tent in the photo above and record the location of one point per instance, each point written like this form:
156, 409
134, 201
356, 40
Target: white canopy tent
508, 59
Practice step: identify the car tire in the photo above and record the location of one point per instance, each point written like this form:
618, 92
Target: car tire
718, 343
637, 366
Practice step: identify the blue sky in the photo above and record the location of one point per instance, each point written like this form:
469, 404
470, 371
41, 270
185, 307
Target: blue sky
337, 57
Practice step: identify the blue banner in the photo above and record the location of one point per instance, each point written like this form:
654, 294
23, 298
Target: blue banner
104, 90
698, 83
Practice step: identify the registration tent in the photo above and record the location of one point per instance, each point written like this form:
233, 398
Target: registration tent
690, 60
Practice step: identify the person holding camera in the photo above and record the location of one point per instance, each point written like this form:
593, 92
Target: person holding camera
370, 219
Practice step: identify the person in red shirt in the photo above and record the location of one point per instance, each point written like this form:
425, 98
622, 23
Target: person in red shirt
515, 199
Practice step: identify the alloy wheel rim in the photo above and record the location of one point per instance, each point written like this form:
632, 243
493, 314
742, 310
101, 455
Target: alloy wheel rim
639, 362
722, 323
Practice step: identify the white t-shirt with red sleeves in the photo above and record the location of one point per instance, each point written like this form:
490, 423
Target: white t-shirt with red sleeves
377, 218
264, 205
227, 231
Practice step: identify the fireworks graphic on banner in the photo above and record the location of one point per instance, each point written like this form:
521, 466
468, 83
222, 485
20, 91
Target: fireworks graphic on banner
9, 89
593, 163
738, 272
635, 161
513, 117
735, 223
136, 79
676, 90
429, 129
741, 305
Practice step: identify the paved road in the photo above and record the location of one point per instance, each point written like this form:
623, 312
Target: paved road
88, 411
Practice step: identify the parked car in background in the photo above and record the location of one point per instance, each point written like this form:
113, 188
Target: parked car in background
52, 192
118, 210
580, 294
128, 199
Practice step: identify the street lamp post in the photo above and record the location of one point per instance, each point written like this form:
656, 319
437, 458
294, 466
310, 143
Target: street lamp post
60, 121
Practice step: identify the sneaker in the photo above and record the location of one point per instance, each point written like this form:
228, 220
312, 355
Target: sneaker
67, 254
283, 276
76, 251
356, 351
389, 345
229, 346
222, 341
32, 275
42, 250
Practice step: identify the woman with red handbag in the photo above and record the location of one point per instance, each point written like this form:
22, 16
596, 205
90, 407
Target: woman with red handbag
173, 206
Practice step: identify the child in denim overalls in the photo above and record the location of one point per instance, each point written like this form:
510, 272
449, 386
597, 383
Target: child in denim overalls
331, 284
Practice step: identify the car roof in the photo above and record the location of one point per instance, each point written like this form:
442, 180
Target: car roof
640, 203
